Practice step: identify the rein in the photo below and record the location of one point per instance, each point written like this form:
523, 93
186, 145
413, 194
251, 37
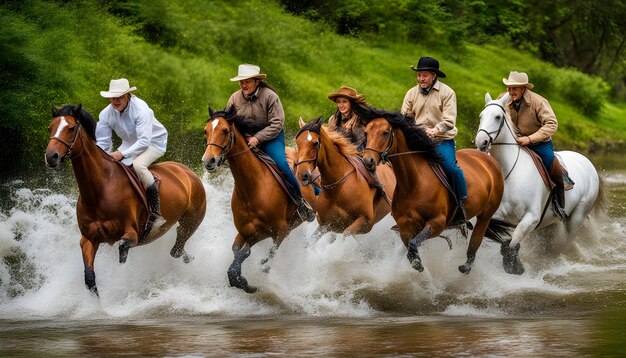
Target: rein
69, 146
497, 132
384, 155
226, 148
314, 161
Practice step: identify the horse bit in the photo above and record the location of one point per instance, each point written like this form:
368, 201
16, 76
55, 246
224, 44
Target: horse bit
497, 132
68, 154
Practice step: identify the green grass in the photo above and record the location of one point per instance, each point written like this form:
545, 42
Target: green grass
66, 52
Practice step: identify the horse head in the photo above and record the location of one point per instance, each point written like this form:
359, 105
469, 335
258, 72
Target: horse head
65, 130
219, 136
379, 133
492, 119
308, 144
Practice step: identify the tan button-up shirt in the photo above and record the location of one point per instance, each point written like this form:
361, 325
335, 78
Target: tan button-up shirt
437, 109
263, 107
534, 119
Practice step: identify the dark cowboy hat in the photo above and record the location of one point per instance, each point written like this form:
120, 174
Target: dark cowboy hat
429, 64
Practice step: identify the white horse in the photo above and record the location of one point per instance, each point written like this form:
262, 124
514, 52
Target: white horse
525, 201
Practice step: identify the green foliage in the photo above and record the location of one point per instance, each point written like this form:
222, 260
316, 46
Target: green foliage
181, 55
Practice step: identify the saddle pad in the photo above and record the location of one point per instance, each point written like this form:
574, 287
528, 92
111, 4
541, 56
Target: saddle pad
277, 174
543, 171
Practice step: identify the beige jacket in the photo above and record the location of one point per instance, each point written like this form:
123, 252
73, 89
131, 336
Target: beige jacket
263, 107
535, 118
437, 109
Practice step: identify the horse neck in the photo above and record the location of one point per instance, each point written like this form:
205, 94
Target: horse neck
246, 168
408, 168
332, 164
504, 148
92, 170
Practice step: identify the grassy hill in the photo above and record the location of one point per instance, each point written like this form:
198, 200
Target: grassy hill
181, 55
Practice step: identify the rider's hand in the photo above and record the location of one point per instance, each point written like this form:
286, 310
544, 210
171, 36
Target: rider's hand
252, 142
432, 132
524, 140
117, 155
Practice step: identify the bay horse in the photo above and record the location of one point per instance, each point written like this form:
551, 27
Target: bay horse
261, 207
526, 197
422, 206
347, 203
109, 209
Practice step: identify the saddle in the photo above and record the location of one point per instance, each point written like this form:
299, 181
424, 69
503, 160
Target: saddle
371, 177
457, 217
139, 189
267, 160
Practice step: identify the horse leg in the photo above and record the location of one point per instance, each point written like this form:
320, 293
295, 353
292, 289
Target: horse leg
270, 255
413, 245
475, 240
510, 248
359, 226
89, 254
317, 234
241, 250
128, 240
184, 231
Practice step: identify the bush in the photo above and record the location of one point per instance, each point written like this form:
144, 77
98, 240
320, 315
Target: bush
582, 91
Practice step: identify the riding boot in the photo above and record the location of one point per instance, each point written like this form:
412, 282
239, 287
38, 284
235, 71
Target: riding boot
155, 220
305, 211
464, 213
558, 192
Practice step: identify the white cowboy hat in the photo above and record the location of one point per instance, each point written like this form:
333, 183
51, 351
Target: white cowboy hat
246, 71
117, 88
517, 79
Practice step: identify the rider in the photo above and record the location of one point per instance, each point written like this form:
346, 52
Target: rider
344, 120
259, 102
144, 138
535, 124
433, 104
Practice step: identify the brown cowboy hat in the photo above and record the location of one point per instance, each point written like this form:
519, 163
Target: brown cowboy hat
347, 92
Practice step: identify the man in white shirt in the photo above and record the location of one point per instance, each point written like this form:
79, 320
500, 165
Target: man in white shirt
144, 138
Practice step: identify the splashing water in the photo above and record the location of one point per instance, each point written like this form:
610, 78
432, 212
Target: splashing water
41, 271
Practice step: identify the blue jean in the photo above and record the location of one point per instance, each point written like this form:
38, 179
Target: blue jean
546, 151
275, 148
447, 152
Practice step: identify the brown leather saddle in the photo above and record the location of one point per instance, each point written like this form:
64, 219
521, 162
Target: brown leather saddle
370, 177
456, 218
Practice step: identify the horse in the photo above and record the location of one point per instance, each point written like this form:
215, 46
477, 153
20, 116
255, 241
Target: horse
526, 197
308, 193
347, 203
422, 206
261, 207
109, 209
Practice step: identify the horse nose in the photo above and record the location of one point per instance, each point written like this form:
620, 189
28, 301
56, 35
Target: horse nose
370, 164
52, 159
210, 164
483, 146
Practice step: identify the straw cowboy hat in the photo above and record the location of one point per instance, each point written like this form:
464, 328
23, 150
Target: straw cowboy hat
117, 88
517, 79
429, 64
347, 92
246, 71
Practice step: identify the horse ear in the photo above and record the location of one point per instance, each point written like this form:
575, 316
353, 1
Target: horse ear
318, 122
54, 109
487, 98
504, 98
78, 109
211, 110
301, 122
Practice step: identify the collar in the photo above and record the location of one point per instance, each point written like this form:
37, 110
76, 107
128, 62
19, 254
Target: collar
253, 96
426, 91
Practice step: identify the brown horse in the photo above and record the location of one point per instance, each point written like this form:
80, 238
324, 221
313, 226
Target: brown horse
108, 208
347, 203
261, 207
422, 206
308, 193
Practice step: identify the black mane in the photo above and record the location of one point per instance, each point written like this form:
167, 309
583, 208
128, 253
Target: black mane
244, 125
313, 126
415, 134
82, 116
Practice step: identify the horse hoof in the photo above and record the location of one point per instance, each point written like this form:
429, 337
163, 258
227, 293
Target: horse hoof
417, 264
187, 258
94, 291
250, 289
465, 268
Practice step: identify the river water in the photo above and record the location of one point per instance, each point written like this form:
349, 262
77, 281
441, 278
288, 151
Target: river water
347, 297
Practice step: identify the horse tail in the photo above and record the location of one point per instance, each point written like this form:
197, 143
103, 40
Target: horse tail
498, 230
602, 200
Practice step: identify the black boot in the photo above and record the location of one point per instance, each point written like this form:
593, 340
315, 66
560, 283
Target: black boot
558, 192
305, 211
155, 220
464, 213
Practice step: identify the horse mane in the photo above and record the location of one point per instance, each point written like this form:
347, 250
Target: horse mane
244, 125
415, 134
82, 116
344, 145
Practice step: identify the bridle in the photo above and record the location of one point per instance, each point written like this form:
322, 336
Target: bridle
227, 147
384, 154
497, 132
70, 146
